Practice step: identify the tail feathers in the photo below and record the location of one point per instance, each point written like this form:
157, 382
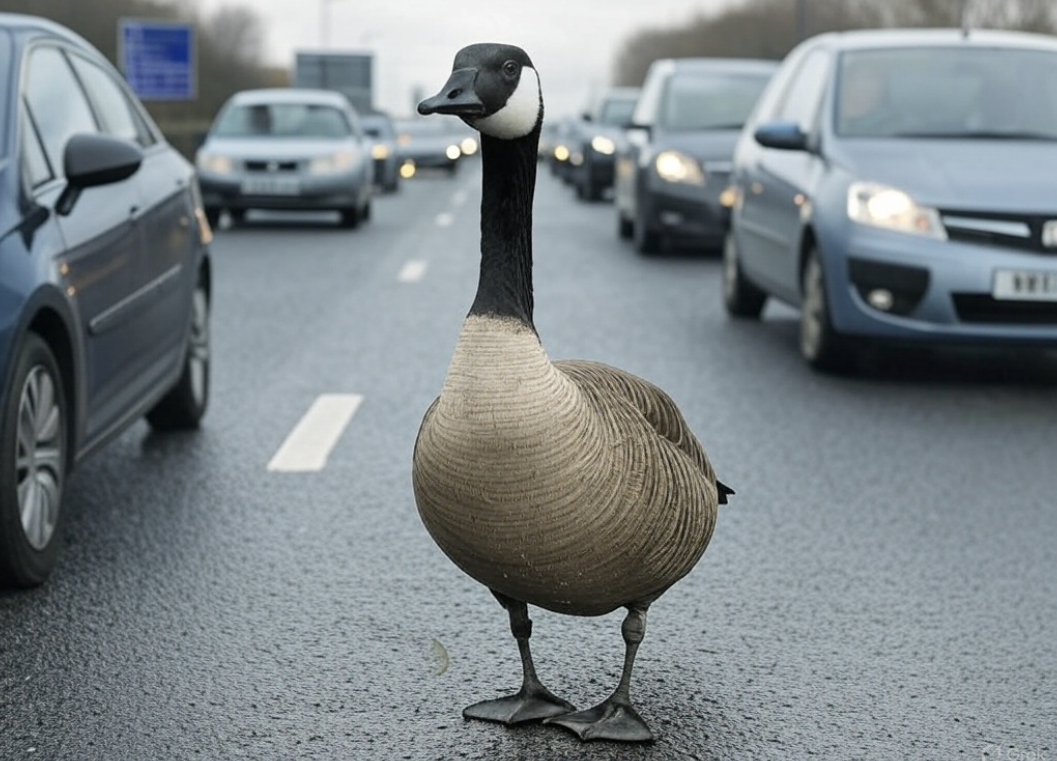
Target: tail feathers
723, 490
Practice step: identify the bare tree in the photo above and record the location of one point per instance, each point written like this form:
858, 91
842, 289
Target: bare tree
770, 28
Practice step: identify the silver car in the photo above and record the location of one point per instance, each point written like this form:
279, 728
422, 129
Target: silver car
287, 149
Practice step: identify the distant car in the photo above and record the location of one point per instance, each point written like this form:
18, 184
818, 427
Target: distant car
291, 149
562, 158
900, 185
105, 280
599, 133
379, 128
432, 143
675, 163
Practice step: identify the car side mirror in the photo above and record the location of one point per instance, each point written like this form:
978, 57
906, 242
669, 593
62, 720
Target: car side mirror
785, 136
91, 160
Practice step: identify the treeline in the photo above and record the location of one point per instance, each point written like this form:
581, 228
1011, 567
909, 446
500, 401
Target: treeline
771, 28
229, 46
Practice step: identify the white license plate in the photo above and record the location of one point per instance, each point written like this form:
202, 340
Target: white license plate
1024, 285
271, 186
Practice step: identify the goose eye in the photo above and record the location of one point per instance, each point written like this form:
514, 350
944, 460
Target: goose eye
510, 68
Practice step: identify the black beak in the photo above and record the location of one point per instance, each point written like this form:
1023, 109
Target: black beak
457, 97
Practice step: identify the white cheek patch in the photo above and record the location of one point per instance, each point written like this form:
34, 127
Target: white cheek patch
518, 117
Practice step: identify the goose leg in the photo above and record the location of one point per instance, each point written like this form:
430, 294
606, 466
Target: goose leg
533, 701
615, 718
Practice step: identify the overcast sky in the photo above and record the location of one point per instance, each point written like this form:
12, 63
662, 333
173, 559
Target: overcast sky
571, 42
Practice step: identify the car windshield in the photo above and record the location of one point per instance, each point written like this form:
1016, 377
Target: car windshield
948, 92
282, 120
702, 101
617, 111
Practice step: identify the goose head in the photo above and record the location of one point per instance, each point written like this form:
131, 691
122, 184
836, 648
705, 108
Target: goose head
494, 88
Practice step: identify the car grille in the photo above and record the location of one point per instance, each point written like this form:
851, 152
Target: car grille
1018, 231
270, 166
981, 308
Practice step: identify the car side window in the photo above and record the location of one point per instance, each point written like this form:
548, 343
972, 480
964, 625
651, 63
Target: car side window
117, 114
35, 165
55, 102
804, 95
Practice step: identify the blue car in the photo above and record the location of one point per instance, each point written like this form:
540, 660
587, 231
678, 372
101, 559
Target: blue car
104, 279
901, 186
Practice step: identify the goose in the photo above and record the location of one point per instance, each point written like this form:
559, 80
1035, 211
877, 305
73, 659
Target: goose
568, 485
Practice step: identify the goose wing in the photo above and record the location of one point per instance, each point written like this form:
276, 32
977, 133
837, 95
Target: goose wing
655, 405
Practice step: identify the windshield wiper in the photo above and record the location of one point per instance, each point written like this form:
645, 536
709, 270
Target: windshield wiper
979, 135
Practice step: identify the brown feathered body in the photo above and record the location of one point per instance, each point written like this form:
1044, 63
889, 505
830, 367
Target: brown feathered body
570, 485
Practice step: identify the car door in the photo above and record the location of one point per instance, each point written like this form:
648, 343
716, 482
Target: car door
779, 182
163, 272
100, 233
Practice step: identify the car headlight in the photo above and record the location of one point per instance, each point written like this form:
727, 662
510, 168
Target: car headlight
453, 152
673, 166
871, 203
604, 145
380, 151
212, 162
468, 146
333, 162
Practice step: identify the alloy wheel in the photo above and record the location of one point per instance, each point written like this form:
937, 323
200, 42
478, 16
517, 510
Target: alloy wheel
39, 457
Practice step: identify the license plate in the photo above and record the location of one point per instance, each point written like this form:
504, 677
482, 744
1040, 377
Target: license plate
1024, 285
271, 186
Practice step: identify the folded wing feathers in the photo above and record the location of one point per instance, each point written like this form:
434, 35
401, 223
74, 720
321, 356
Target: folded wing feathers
656, 406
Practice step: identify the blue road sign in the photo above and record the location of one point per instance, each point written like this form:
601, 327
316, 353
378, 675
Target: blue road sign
158, 58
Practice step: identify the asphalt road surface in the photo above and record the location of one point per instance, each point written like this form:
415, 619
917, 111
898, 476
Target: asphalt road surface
882, 586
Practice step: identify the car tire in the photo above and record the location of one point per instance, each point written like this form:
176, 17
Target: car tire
33, 457
184, 405
740, 297
365, 212
646, 240
350, 218
821, 346
213, 216
625, 227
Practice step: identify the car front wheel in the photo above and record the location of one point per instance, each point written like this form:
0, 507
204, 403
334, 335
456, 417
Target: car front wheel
820, 344
33, 456
185, 404
740, 297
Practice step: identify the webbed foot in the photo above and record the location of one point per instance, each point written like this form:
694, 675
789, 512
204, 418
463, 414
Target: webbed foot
610, 720
528, 704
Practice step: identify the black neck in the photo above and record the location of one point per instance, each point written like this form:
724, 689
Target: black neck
508, 183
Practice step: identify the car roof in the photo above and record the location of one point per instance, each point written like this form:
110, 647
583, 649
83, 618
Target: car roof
880, 38
719, 64
17, 22
290, 95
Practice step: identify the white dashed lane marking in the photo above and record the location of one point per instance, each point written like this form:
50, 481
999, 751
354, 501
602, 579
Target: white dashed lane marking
412, 271
444, 219
310, 442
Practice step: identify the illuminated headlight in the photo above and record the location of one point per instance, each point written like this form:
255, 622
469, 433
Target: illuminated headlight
380, 151
561, 153
673, 166
468, 146
452, 152
604, 145
331, 163
882, 206
212, 162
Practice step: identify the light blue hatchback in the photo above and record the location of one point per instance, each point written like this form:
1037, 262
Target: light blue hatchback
901, 185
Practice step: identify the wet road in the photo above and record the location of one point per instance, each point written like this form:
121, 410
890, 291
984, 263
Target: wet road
884, 584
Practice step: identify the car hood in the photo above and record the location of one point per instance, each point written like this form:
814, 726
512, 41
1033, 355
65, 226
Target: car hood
275, 150
983, 175
703, 145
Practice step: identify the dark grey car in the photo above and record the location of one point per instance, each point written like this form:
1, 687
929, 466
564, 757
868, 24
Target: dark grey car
675, 162
105, 280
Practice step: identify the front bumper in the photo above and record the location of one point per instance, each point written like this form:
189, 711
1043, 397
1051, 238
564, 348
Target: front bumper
942, 291
299, 192
685, 212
